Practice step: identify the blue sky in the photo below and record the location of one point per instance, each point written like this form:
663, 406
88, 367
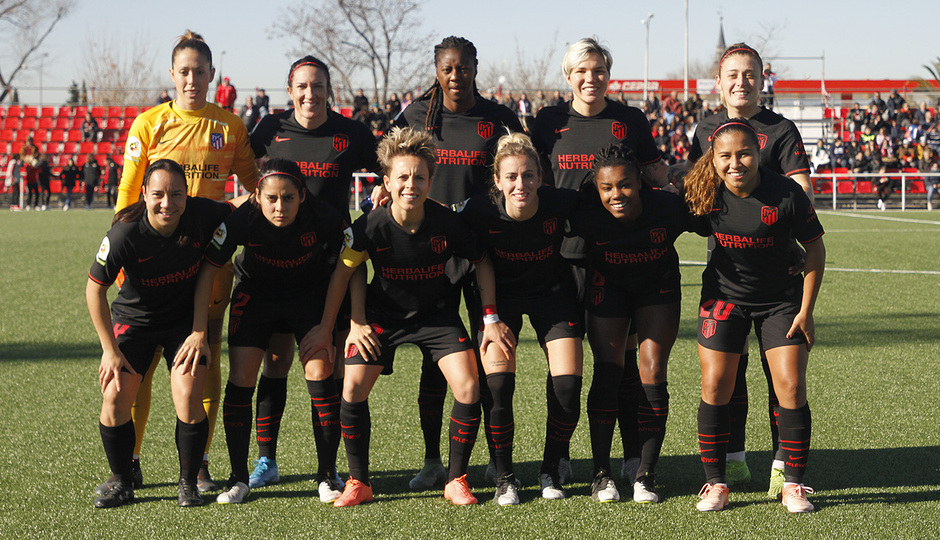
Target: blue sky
860, 39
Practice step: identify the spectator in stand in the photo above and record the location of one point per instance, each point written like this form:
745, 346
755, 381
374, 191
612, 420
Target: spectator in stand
857, 117
914, 133
875, 118
932, 138
557, 99
904, 115
70, 175
921, 113
164, 97
876, 100
767, 91
44, 178
819, 157
262, 102
838, 155
928, 164
14, 168
524, 109
652, 103
361, 114
907, 155
868, 135
29, 152
360, 101
249, 113
90, 128
693, 105
539, 102
31, 173
225, 95
114, 180
91, 176
392, 106
894, 104
672, 108
378, 121
407, 99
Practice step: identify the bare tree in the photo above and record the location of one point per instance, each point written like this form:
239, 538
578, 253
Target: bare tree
381, 38
120, 70
24, 25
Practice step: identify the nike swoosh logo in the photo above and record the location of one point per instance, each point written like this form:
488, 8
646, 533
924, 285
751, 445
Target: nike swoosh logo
323, 414
462, 432
281, 139
562, 129
794, 458
144, 259
250, 244
383, 248
572, 324
491, 231
217, 302
665, 291
164, 141
603, 243
462, 339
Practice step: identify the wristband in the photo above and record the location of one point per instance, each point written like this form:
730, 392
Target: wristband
490, 318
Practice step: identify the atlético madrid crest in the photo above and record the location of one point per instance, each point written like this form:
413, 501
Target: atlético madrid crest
618, 130
217, 140
708, 328
762, 139
308, 239
658, 235
485, 129
340, 142
550, 225
438, 244
768, 214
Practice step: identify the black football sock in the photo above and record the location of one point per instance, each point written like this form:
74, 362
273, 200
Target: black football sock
464, 425
602, 409
564, 408
713, 426
190, 444
431, 392
236, 419
324, 413
500, 428
653, 412
795, 431
356, 423
628, 396
272, 398
118, 442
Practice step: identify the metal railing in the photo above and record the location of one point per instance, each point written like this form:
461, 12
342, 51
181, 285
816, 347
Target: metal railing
837, 187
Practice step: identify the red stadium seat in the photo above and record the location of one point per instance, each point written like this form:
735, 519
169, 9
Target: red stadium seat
62, 123
130, 112
863, 186
29, 122
917, 186
30, 111
57, 135
73, 135
6, 135
70, 148
22, 135
12, 122
80, 111
86, 147
76, 122
114, 112
41, 135
825, 186
46, 122
104, 147
845, 186
14, 110
47, 112
65, 112
98, 112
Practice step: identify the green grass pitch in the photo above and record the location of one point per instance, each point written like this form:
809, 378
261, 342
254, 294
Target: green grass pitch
874, 378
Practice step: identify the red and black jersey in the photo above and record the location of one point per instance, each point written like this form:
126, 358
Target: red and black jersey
465, 148
750, 262
570, 140
636, 255
327, 155
526, 254
781, 147
281, 263
409, 281
160, 274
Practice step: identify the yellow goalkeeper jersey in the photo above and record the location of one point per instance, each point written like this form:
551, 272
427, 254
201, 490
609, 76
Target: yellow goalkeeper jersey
210, 143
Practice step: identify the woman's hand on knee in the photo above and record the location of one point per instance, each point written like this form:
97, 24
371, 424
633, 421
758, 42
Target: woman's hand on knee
365, 341
110, 369
190, 352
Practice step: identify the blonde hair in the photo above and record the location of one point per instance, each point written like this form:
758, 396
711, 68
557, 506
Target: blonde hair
512, 144
407, 142
580, 50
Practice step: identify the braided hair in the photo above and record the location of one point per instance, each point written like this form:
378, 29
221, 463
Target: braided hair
435, 94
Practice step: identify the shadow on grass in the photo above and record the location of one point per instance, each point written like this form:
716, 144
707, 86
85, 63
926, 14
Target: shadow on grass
850, 331
48, 351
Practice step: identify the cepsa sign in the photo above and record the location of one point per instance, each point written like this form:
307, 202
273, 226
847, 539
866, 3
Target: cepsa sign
632, 86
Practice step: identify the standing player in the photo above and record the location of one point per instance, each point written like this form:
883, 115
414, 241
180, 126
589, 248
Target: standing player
410, 300
465, 128
159, 242
628, 231
521, 223
754, 214
328, 148
568, 136
211, 144
291, 245
781, 150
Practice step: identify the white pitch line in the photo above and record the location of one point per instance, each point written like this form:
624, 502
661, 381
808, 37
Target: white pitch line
882, 218
857, 270
829, 231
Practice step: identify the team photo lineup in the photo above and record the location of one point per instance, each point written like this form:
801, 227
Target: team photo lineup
480, 219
